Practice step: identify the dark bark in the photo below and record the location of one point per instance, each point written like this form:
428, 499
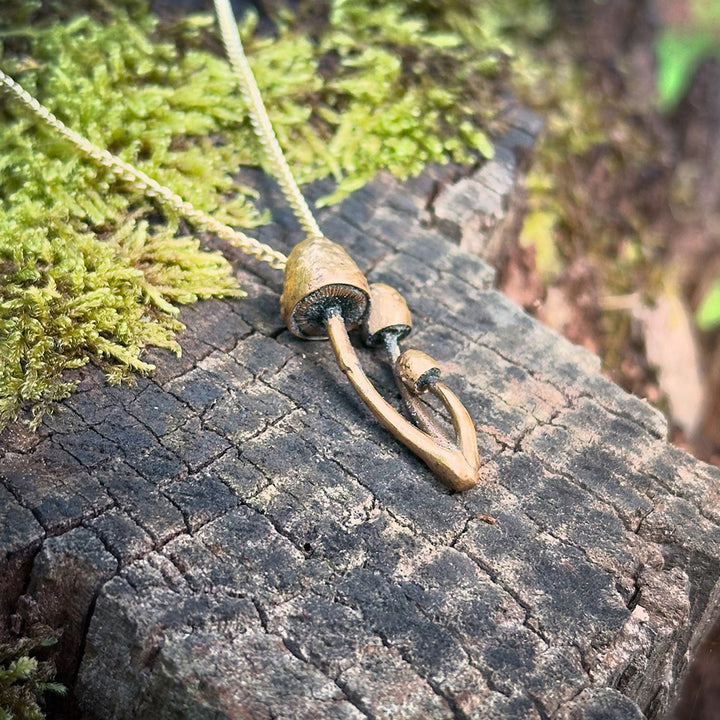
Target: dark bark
237, 538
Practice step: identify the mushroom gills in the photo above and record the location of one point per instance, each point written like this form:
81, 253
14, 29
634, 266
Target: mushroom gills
322, 279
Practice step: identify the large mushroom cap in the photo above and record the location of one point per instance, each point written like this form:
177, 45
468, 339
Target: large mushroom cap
321, 279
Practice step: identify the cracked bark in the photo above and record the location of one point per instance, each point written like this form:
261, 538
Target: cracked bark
235, 537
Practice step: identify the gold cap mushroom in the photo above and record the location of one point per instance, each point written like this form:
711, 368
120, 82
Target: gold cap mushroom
389, 316
321, 279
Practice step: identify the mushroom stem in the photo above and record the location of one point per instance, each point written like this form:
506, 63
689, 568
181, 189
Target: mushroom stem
450, 464
392, 348
414, 404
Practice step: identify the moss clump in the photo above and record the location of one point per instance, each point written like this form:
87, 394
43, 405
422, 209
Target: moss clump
24, 679
89, 271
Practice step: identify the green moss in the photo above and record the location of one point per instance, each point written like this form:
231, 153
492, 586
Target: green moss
92, 272
383, 86
24, 678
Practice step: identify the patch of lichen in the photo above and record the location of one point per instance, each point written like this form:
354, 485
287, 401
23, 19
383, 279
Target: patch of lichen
92, 270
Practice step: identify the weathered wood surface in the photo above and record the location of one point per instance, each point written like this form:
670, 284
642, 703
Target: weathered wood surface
237, 538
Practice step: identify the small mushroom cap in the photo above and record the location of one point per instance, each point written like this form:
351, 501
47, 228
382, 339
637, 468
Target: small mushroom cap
320, 278
417, 370
389, 314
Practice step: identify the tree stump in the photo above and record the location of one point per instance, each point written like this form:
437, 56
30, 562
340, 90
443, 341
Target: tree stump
236, 537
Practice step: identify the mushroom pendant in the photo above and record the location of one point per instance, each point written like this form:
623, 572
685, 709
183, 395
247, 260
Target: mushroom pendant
324, 296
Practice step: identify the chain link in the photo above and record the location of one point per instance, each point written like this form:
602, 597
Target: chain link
140, 182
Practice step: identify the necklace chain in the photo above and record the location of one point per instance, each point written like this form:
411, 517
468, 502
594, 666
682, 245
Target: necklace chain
140, 182
137, 180
260, 120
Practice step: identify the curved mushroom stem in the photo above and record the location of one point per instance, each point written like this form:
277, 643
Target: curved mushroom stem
392, 348
457, 467
413, 403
